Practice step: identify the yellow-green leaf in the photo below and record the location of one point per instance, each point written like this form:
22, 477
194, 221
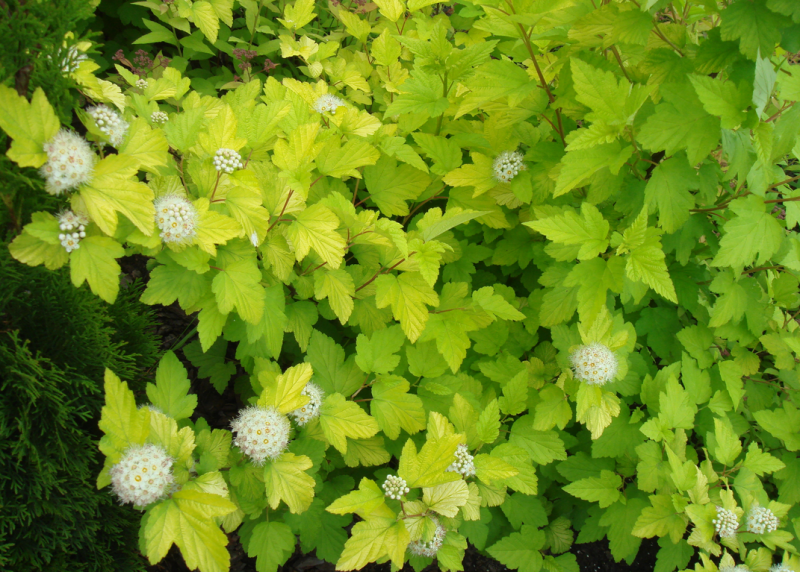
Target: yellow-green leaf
286, 480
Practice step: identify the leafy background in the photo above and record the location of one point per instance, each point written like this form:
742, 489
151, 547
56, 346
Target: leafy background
656, 216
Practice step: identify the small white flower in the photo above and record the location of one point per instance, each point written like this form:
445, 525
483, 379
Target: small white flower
464, 463
726, 524
395, 487
159, 117
594, 364
261, 433
74, 227
227, 160
739, 568
311, 409
110, 123
430, 548
507, 165
69, 220
176, 218
327, 103
141, 83
761, 520
780, 568
69, 162
143, 475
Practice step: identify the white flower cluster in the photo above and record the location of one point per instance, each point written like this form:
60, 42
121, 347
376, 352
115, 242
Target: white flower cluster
74, 227
507, 165
159, 117
327, 103
261, 433
594, 364
761, 520
176, 218
227, 160
141, 83
739, 568
110, 123
395, 487
464, 462
430, 548
726, 524
69, 162
143, 475
310, 410
780, 568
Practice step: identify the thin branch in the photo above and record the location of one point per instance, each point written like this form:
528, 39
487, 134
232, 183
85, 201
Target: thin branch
384, 271
283, 210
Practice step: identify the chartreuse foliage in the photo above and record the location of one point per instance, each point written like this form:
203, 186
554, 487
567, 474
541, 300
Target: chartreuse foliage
367, 246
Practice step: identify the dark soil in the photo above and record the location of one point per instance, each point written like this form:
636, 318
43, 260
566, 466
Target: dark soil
218, 410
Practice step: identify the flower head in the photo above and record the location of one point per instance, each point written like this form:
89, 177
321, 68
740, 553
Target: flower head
430, 548
74, 227
395, 487
780, 568
594, 364
111, 123
69, 162
227, 160
159, 117
464, 462
310, 410
327, 103
761, 520
507, 165
143, 475
176, 218
726, 524
261, 433
141, 83
739, 568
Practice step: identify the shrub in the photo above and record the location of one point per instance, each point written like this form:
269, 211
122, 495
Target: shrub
434, 213
55, 343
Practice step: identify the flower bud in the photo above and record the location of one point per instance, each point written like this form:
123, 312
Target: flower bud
594, 364
310, 410
726, 524
395, 487
141, 83
227, 160
143, 475
261, 433
110, 123
464, 463
159, 117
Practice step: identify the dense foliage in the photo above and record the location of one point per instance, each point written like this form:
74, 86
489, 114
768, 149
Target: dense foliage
498, 271
55, 343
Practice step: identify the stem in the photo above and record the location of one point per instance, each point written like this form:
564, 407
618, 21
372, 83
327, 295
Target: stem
416, 208
619, 61
283, 210
216, 184
255, 23
355, 192
444, 94
384, 271
663, 37
526, 39
791, 180
752, 270
177, 42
